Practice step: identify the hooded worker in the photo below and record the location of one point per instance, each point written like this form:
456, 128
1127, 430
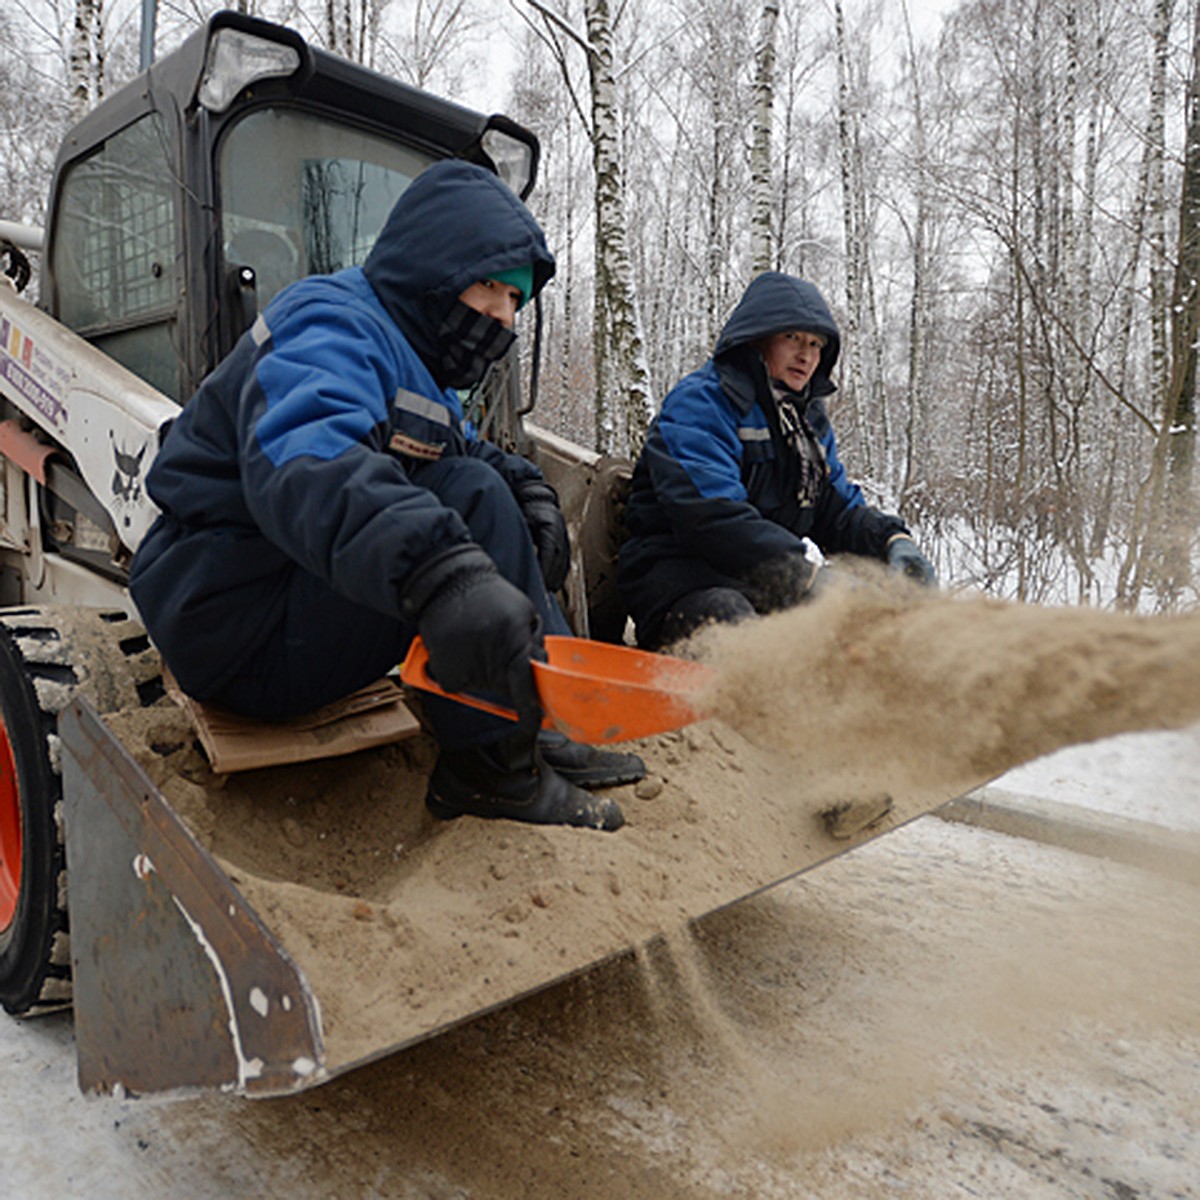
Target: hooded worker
740, 469
323, 502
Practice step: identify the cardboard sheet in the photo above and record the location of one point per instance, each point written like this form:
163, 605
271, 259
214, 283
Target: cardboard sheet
373, 716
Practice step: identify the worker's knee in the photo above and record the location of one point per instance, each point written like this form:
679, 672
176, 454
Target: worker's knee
478, 493
484, 500
707, 606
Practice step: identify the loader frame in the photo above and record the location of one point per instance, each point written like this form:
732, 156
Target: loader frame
143, 289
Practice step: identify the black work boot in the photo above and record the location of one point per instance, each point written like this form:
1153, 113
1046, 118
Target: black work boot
509, 779
585, 766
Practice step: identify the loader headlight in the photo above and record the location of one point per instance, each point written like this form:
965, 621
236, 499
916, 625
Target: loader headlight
237, 59
515, 160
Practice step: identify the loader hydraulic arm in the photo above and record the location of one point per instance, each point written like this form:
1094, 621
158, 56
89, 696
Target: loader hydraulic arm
62, 393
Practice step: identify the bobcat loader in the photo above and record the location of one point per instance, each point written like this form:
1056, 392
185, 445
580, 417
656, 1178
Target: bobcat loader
243, 161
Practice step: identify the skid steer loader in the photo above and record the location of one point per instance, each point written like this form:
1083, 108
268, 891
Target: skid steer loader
245, 160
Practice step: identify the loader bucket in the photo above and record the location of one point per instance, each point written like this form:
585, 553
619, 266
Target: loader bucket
196, 972
265, 930
177, 983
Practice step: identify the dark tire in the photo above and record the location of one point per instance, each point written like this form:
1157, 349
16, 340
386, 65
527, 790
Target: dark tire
47, 656
34, 947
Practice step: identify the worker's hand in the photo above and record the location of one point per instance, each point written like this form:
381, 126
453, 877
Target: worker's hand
783, 581
548, 528
481, 632
903, 556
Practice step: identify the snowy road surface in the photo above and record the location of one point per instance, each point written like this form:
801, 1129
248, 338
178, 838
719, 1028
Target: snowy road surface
945, 1012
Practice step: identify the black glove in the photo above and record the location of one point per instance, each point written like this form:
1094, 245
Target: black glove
903, 556
783, 581
548, 528
481, 632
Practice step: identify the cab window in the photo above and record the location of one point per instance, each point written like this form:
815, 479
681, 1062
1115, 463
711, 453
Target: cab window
115, 255
301, 195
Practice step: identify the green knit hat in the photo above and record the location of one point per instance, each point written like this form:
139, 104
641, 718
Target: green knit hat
519, 277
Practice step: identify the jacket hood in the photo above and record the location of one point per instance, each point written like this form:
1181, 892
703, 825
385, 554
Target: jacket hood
455, 224
774, 303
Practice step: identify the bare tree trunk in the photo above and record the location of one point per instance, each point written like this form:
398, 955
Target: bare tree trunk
623, 380
1102, 512
339, 27
1138, 567
1072, 304
1021, 482
855, 244
918, 309
761, 252
352, 28
370, 25
715, 252
566, 361
86, 58
1158, 202
1179, 412
792, 178
1123, 341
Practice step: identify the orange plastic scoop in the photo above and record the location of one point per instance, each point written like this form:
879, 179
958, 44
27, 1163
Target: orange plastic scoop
595, 692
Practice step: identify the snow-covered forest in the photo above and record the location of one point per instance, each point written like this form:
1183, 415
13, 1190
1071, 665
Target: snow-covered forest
1000, 202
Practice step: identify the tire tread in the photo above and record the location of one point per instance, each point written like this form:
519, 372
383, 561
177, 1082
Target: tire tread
42, 639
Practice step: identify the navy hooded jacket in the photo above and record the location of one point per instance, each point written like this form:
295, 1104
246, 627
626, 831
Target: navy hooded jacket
715, 490
295, 452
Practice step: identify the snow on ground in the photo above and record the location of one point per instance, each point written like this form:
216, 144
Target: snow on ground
1153, 777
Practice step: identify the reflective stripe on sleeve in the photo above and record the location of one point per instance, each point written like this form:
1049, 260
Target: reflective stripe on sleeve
422, 406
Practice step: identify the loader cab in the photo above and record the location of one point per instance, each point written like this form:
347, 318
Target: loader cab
239, 163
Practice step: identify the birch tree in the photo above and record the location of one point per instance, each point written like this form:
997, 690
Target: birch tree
624, 405
761, 182
87, 58
621, 371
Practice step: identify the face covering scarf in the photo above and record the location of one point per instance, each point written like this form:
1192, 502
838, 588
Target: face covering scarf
468, 343
809, 454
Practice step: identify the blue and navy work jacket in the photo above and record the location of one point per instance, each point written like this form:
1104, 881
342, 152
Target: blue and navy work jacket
298, 451
715, 491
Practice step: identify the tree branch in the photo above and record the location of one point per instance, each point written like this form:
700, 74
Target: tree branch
552, 17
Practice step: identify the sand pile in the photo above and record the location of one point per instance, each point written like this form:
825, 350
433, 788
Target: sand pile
868, 696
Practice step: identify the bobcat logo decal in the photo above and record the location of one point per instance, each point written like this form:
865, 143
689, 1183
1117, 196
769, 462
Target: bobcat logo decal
127, 475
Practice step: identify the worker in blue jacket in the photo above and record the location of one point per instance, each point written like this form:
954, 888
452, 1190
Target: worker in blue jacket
322, 503
740, 470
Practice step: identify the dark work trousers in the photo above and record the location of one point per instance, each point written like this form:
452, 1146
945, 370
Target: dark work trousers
327, 646
705, 606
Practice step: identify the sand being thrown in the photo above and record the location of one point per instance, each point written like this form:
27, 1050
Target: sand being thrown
875, 686
404, 925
